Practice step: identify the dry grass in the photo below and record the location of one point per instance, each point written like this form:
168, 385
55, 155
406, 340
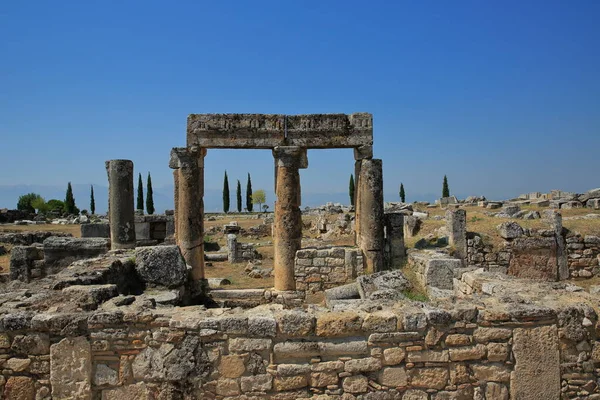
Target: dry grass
479, 220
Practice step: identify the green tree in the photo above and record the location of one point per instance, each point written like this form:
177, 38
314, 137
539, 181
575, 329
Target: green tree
92, 201
225, 194
259, 197
351, 189
445, 189
149, 196
55, 205
402, 194
70, 207
40, 205
140, 195
249, 194
24, 202
238, 195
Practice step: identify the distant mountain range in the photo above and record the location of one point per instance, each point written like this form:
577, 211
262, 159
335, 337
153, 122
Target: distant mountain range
163, 197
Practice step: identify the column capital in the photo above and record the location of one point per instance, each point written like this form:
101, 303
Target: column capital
290, 156
363, 152
186, 156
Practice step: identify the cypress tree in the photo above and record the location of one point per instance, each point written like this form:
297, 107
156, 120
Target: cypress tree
445, 189
351, 189
225, 194
149, 196
239, 196
249, 203
402, 194
140, 195
70, 201
92, 201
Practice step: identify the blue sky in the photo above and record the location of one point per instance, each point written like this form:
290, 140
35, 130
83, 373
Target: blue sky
502, 96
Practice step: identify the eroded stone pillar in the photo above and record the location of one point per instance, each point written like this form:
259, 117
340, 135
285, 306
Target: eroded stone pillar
369, 215
456, 225
120, 204
188, 164
288, 219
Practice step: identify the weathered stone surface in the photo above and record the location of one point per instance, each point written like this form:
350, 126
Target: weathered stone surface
431, 378
537, 363
296, 323
362, 365
497, 391
18, 364
323, 379
139, 391
244, 345
257, 383
393, 377
510, 230
355, 384
71, 368
369, 213
491, 373
19, 388
412, 394
105, 375
161, 265
269, 130
34, 343
232, 366
386, 280
338, 324
100, 230
281, 383
120, 204
534, 258
456, 225
393, 356
484, 335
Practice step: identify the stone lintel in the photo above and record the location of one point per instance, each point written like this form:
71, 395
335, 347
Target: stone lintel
290, 156
264, 131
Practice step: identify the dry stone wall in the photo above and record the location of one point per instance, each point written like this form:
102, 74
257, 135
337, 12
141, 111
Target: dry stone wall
391, 353
316, 270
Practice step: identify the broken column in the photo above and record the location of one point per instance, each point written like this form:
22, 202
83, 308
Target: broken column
360, 153
554, 218
369, 214
120, 204
456, 225
288, 219
232, 249
394, 240
188, 164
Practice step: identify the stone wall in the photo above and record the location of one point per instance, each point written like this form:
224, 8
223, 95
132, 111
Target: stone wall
583, 254
407, 353
538, 250
318, 269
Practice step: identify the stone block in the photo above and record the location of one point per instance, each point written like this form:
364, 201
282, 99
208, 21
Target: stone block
533, 348
98, 230
71, 369
161, 266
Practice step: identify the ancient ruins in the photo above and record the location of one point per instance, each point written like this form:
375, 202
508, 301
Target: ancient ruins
129, 311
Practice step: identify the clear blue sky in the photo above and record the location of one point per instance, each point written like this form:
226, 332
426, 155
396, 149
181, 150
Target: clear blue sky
502, 96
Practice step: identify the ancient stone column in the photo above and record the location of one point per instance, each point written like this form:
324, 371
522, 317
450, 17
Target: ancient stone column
395, 253
288, 219
360, 153
456, 225
120, 204
554, 218
188, 164
370, 214
232, 249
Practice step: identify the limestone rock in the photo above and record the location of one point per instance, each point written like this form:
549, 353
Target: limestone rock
394, 281
161, 265
19, 388
510, 230
533, 348
71, 368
